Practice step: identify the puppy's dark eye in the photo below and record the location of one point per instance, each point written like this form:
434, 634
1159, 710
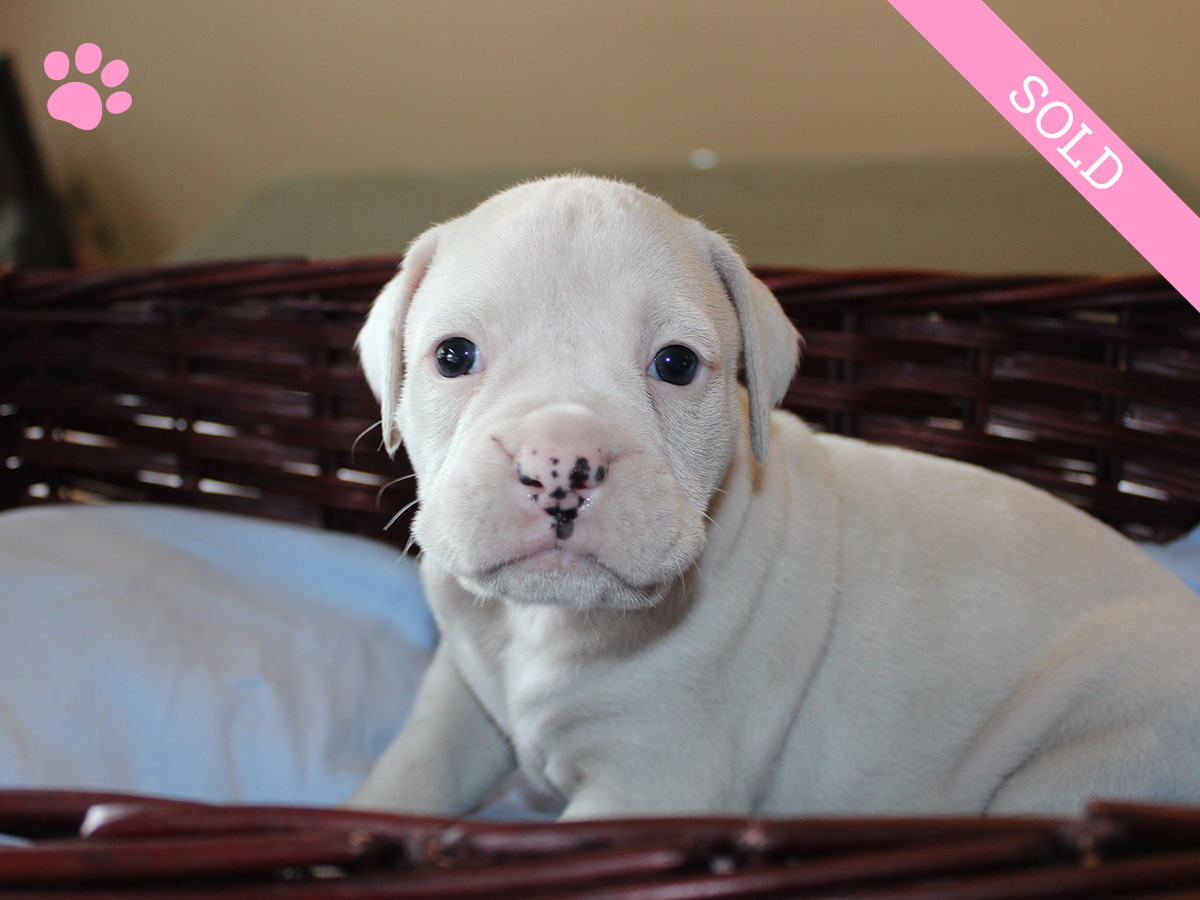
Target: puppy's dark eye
675, 364
457, 356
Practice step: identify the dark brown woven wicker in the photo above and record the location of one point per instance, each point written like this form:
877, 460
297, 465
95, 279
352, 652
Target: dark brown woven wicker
98, 845
234, 386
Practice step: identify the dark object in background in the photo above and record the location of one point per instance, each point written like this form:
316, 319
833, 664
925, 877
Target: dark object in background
31, 227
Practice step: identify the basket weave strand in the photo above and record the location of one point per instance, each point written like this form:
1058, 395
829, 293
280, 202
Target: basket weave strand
94, 845
234, 386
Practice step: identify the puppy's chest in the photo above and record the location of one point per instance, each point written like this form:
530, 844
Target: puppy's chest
557, 727
552, 701
547, 688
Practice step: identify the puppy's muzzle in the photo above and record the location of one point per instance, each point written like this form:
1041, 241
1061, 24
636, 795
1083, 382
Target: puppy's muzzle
562, 460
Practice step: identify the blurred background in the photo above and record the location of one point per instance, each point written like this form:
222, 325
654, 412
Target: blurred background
814, 132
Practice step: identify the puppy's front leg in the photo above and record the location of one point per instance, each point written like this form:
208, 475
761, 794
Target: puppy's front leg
449, 755
706, 781
604, 800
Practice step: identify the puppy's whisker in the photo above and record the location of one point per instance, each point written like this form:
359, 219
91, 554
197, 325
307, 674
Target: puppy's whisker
394, 481
409, 543
362, 434
406, 508
398, 480
587, 619
716, 526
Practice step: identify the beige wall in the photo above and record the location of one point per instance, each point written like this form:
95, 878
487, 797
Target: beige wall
229, 93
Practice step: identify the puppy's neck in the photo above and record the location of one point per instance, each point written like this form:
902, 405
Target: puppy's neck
730, 503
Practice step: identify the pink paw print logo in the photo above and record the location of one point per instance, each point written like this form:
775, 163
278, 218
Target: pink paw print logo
77, 102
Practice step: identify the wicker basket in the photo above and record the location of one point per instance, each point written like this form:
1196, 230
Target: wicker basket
234, 387
159, 848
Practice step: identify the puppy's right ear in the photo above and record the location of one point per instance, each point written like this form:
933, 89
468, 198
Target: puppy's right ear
380, 343
770, 342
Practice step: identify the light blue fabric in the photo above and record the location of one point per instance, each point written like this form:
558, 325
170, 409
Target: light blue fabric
1182, 557
192, 654
184, 653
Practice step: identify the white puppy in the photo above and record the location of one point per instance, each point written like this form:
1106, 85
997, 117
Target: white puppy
658, 596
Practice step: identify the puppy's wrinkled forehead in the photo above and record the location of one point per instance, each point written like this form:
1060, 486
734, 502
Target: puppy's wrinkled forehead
544, 239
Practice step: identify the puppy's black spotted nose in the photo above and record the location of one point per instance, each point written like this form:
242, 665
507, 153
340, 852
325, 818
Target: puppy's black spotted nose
560, 480
555, 470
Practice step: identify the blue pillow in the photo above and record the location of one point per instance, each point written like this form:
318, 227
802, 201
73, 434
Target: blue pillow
202, 655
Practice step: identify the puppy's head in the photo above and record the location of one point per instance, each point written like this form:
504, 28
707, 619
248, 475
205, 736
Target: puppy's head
562, 367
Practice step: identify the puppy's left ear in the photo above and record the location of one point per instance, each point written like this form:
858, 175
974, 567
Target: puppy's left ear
380, 343
770, 343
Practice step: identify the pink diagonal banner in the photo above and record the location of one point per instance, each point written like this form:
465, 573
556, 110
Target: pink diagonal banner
1066, 132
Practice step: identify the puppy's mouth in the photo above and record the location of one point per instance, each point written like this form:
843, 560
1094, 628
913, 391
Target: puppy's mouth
557, 558
559, 576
